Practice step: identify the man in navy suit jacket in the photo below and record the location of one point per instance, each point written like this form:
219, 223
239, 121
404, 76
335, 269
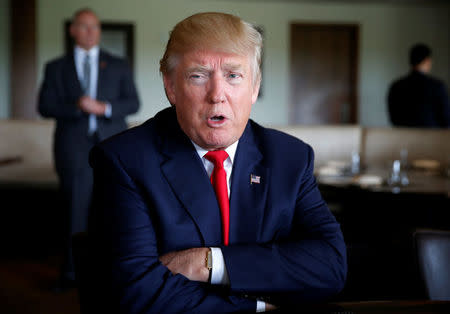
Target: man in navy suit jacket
85, 114
156, 230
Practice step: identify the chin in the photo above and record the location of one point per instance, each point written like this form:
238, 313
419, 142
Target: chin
219, 143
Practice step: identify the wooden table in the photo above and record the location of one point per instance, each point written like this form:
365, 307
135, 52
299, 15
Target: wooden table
16, 173
378, 222
373, 307
420, 182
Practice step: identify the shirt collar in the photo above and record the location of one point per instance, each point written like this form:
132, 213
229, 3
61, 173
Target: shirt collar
231, 150
93, 52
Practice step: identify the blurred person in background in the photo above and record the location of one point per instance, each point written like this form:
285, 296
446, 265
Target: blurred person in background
418, 99
89, 93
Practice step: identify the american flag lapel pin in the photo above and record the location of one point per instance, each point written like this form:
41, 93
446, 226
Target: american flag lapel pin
255, 179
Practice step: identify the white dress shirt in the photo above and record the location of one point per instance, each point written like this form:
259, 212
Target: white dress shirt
219, 274
79, 56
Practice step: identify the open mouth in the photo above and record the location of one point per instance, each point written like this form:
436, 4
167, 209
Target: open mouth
217, 118
216, 121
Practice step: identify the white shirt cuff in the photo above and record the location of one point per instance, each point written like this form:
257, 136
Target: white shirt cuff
108, 110
219, 274
260, 306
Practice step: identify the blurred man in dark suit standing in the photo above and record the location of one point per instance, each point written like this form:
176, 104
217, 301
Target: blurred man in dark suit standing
89, 92
419, 100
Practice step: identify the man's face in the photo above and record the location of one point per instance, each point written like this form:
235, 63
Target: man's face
213, 93
427, 64
86, 30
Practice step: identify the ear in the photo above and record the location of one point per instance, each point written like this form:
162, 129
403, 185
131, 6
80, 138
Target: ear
169, 87
72, 30
255, 92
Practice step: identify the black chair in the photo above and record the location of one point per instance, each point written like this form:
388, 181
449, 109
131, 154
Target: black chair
433, 253
80, 251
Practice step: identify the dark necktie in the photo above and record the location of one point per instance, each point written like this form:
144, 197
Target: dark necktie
86, 85
86, 75
219, 182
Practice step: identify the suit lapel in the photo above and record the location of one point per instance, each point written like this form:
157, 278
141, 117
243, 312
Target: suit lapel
186, 175
247, 199
102, 74
72, 75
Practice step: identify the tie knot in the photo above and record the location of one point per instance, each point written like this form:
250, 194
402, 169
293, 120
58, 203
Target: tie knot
217, 157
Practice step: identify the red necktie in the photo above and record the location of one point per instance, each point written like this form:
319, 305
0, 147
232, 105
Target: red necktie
219, 182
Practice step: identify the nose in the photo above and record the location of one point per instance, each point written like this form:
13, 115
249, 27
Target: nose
216, 92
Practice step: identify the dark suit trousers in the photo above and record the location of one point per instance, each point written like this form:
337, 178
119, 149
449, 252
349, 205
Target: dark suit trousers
76, 187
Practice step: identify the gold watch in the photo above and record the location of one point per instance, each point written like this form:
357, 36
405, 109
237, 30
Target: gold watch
209, 260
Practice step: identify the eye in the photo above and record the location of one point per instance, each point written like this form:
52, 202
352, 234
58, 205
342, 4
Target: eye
197, 77
234, 75
234, 78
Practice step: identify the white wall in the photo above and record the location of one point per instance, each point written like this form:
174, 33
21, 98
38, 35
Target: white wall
386, 33
4, 59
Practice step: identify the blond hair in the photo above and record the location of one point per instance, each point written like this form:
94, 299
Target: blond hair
213, 31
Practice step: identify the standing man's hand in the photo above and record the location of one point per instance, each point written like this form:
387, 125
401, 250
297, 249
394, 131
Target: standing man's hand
270, 307
190, 263
91, 106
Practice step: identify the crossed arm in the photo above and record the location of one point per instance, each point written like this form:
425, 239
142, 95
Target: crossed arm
307, 265
190, 263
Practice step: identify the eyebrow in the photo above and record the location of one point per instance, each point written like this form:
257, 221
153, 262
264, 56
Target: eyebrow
226, 66
233, 67
198, 68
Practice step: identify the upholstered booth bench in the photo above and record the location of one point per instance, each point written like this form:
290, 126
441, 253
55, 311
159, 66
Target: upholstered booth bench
26, 147
375, 145
26, 153
31, 215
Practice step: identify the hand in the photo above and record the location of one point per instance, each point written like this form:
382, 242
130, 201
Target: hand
270, 307
90, 105
190, 263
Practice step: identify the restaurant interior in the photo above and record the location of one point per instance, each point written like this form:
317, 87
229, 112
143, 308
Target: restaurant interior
326, 69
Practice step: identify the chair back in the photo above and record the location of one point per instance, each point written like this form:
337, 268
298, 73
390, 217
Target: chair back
433, 252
